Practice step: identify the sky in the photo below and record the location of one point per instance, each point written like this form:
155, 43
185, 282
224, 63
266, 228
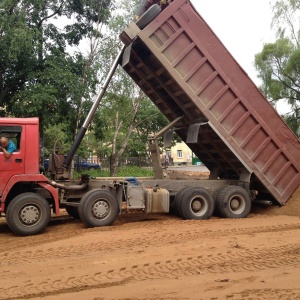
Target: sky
243, 27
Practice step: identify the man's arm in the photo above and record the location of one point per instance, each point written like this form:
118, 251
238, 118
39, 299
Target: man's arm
9, 149
5, 152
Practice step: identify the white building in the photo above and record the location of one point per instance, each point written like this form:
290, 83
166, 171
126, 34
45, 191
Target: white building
180, 154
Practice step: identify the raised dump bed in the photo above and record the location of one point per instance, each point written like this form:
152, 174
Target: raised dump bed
184, 68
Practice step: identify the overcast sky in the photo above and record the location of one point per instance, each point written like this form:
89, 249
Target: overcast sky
243, 27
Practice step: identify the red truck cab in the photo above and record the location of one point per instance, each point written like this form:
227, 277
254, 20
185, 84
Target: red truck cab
25, 159
20, 175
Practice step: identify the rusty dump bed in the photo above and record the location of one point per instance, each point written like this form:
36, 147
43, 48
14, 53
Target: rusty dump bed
183, 67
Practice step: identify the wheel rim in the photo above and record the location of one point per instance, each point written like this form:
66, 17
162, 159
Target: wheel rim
100, 209
237, 204
199, 206
29, 214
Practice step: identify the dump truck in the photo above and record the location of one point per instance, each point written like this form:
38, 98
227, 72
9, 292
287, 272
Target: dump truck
187, 72
211, 103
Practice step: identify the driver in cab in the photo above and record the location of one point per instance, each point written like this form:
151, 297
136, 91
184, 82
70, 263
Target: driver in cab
7, 147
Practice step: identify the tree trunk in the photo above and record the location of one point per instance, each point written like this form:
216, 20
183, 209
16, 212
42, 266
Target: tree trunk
114, 164
115, 157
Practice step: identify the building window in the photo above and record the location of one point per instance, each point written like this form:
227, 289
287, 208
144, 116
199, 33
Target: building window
179, 153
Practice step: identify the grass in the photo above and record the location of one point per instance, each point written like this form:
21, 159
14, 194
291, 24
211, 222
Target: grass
131, 171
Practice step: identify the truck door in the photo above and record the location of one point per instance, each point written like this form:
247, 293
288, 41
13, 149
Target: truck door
15, 163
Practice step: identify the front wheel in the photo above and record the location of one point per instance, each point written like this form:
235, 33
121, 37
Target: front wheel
98, 208
28, 214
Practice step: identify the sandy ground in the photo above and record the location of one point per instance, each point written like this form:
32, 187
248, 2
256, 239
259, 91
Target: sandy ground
151, 257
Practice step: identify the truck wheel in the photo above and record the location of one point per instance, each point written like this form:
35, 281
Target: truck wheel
178, 199
28, 214
215, 197
196, 203
73, 212
148, 16
233, 202
98, 208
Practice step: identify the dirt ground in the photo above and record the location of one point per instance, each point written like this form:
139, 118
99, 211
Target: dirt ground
160, 256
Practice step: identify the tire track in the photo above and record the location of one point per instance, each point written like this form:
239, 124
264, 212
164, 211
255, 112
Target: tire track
266, 294
27, 256
221, 263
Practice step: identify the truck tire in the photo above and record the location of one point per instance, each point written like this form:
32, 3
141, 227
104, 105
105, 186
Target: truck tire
178, 199
28, 214
148, 16
73, 212
197, 203
98, 208
233, 202
216, 197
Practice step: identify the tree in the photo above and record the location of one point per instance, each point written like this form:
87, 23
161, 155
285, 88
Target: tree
278, 63
121, 103
126, 115
52, 136
38, 74
149, 121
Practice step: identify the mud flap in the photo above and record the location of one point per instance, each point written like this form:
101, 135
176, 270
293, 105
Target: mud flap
193, 131
168, 137
126, 56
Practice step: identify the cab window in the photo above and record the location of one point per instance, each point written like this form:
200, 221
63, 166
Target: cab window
13, 133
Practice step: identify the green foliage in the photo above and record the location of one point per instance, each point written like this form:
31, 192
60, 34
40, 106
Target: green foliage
43, 73
135, 172
40, 73
53, 134
274, 64
278, 64
293, 122
119, 108
122, 172
149, 121
126, 117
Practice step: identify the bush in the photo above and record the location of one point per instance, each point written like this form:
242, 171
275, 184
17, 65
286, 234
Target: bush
129, 171
135, 172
